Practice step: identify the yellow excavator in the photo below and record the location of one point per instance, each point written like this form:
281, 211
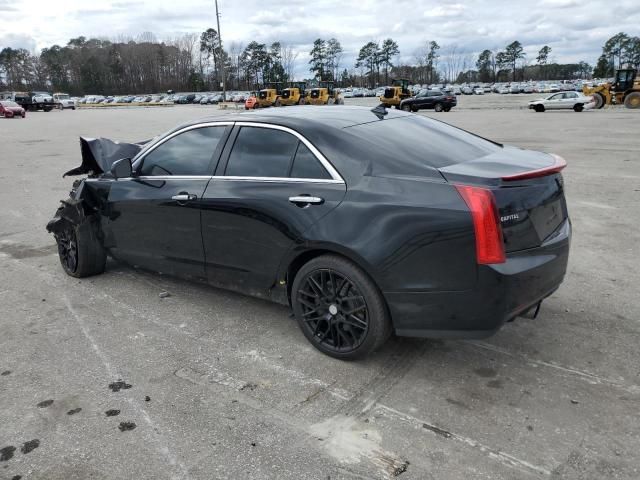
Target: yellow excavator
625, 90
294, 94
393, 95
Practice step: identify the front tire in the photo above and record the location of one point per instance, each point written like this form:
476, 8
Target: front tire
578, 107
339, 308
406, 108
599, 100
632, 100
539, 108
80, 251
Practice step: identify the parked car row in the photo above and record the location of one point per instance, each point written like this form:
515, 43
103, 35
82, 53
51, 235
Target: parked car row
204, 98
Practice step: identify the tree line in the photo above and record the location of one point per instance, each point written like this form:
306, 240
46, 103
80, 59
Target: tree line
195, 63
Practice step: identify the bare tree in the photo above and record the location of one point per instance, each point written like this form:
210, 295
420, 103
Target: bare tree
288, 56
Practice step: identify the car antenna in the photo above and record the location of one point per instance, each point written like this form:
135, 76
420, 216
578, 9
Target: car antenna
380, 111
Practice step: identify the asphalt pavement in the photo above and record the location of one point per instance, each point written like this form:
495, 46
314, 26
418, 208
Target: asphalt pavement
105, 378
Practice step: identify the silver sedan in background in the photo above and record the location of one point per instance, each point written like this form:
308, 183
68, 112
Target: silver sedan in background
575, 101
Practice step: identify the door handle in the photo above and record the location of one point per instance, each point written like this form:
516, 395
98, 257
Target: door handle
306, 200
184, 197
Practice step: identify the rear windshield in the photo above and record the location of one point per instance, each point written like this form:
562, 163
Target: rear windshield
418, 141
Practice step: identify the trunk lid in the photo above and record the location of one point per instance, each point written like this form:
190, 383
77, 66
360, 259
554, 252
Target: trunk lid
528, 190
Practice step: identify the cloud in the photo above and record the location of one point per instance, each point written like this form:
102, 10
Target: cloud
574, 29
18, 40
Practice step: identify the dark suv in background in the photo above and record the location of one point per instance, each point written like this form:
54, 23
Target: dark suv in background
439, 101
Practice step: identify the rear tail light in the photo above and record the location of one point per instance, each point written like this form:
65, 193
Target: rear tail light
486, 224
558, 164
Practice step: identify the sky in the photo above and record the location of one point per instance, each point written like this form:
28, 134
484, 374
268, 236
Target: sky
574, 29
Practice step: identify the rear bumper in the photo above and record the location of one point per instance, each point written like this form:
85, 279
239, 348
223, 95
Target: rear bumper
503, 291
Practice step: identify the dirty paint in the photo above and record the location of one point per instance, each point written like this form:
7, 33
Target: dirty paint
119, 385
30, 446
45, 404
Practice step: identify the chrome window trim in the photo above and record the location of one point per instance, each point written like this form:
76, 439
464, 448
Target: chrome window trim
276, 179
137, 160
335, 176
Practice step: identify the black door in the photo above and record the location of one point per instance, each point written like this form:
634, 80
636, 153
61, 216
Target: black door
270, 188
154, 217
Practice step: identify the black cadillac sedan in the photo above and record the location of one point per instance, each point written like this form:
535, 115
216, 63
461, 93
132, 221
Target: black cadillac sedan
366, 222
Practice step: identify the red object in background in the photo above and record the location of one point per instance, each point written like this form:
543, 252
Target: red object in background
9, 109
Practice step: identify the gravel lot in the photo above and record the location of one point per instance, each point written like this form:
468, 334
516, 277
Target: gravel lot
222, 386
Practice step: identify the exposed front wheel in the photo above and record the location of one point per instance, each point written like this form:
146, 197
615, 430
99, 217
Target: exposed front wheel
339, 308
81, 253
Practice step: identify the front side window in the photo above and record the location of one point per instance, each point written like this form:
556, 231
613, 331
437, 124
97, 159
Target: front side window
261, 152
189, 153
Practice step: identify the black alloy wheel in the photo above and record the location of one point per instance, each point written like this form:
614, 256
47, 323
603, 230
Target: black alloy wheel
339, 308
68, 249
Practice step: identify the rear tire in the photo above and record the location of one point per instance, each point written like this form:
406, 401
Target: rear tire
438, 107
339, 308
632, 100
80, 251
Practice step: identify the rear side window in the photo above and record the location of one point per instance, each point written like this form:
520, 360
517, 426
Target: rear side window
261, 152
306, 165
410, 143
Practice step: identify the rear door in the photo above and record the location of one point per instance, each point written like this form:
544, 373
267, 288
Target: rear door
271, 185
153, 217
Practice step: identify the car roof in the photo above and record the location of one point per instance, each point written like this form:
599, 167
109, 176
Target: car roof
299, 117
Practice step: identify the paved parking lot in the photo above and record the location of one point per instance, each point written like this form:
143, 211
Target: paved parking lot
101, 378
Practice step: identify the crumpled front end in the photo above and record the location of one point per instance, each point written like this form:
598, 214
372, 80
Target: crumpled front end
98, 154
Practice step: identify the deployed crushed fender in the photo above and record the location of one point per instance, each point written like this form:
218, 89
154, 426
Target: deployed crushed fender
98, 154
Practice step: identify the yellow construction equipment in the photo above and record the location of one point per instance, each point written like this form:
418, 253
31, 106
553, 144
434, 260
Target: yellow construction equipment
325, 94
393, 95
625, 90
294, 94
270, 96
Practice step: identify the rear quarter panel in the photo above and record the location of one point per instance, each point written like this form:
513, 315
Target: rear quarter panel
409, 235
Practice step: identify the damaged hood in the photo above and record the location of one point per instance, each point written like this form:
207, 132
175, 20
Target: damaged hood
98, 154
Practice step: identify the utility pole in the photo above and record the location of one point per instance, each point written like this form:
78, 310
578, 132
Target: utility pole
221, 60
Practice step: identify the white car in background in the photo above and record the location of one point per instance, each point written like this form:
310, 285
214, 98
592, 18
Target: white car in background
575, 101
478, 91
